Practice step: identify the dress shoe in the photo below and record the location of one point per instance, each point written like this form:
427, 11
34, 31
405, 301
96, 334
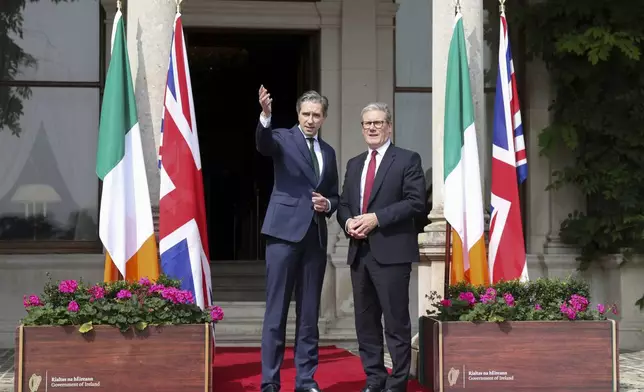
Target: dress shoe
270, 388
314, 389
372, 388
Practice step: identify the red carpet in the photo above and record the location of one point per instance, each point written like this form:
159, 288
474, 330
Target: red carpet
238, 369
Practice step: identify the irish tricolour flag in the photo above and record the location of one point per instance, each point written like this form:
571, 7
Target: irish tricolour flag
463, 196
126, 228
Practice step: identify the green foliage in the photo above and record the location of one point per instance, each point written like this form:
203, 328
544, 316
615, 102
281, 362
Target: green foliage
541, 299
593, 51
121, 304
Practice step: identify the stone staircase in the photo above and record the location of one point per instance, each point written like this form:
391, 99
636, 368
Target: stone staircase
239, 288
238, 280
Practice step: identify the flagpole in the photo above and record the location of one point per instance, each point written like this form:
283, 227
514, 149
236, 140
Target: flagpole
178, 5
502, 6
448, 258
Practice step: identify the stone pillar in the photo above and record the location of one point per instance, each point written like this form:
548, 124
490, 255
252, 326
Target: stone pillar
359, 72
385, 58
547, 256
431, 271
149, 31
330, 86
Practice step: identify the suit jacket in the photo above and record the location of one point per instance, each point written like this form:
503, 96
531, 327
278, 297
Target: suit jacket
397, 198
290, 210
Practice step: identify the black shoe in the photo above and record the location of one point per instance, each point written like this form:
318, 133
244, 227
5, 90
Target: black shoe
314, 389
270, 388
372, 388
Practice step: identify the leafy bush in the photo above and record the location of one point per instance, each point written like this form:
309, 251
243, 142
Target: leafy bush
121, 304
541, 299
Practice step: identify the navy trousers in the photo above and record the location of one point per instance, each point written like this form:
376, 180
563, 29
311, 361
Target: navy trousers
293, 266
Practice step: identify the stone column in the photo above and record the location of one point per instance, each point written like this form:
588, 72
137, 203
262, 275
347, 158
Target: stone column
149, 31
547, 256
359, 86
330, 86
431, 271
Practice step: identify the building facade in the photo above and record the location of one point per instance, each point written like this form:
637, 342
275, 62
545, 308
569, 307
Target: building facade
352, 51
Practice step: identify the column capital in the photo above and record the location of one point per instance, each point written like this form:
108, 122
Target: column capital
386, 14
330, 14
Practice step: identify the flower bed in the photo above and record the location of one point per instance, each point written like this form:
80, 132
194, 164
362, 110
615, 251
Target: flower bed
520, 337
133, 336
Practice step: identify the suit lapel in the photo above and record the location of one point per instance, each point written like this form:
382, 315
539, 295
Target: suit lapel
385, 164
301, 144
357, 183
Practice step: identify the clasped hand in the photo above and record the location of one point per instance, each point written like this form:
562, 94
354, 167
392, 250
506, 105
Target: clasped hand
359, 226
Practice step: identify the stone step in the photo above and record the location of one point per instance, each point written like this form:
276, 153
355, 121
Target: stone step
238, 280
242, 325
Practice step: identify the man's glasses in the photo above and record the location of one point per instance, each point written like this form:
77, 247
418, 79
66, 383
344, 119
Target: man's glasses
376, 124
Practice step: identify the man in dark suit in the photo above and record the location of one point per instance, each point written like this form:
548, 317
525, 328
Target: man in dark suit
382, 195
305, 193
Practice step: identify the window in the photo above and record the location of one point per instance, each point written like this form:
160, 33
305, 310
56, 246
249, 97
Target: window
50, 84
413, 89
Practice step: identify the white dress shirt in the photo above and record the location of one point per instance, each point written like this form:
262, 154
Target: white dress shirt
363, 179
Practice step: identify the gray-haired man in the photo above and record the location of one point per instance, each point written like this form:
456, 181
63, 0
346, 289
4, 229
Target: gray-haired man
304, 194
382, 195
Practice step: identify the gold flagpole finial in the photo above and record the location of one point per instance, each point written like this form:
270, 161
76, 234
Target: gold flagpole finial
457, 8
119, 5
502, 6
179, 5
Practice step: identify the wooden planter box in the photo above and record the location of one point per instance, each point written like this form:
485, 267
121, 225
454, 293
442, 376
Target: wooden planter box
518, 356
164, 359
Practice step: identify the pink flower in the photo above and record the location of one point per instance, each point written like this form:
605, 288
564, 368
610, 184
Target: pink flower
217, 313
568, 311
97, 292
32, 300
613, 309
157, 288
467, 297
67, 286
177, 296
509, 299
601, 308
124, 294
73, 306
446, 303
537, 307
145, 282
578, 302
489, 296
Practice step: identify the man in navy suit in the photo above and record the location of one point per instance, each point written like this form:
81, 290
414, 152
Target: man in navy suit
305, 193
383, 194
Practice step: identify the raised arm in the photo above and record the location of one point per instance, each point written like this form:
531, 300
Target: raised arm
265, 138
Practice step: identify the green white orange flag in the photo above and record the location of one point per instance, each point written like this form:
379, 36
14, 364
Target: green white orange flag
126, 227
463, 196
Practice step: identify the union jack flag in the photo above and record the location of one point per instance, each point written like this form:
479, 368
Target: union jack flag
183, 237
509, 169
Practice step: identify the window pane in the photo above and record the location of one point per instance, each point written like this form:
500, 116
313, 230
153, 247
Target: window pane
60, 41
413, 126
414, 43
48, 185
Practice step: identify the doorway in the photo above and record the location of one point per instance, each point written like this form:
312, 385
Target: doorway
227, 68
